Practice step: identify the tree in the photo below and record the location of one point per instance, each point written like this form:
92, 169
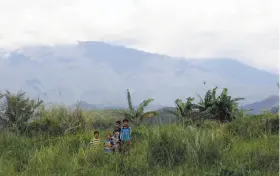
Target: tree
17, 109
206, 104
183, 108
223, 107
187, 112
136, 116
226, 107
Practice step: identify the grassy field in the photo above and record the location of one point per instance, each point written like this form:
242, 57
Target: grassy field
219, 139
242, 147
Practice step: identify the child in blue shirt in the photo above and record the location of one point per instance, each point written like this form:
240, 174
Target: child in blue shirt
125, 136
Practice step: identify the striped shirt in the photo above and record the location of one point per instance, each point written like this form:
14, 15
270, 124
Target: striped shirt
95, 142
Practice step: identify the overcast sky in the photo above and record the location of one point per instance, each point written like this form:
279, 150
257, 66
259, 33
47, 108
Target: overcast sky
242, 29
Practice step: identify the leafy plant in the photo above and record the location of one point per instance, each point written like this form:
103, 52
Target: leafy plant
136, 116
17, 110
187, 112
222, 108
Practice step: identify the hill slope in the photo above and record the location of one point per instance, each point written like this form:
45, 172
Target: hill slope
267, 104
99, 73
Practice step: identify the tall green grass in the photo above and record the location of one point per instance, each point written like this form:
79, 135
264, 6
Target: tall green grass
213, 149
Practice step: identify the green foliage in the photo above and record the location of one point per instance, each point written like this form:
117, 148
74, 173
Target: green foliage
16, 110
102, 119
57, 121
59, 140
186, 112
184, 108
191, 146
136, 116
162, 150
44, 126
254, 126
256, 156
222, 108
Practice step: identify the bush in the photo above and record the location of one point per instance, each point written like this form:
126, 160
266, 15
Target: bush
16, 110
102, 124
44, 127
57, 121
272, 125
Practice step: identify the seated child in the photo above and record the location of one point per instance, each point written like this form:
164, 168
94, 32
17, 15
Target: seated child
108, 143
95, 142
116, 141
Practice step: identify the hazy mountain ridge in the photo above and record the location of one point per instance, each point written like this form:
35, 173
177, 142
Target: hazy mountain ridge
99, 73
267, 104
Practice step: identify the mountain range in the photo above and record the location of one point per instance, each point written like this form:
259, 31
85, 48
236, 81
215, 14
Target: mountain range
99, 73
271, 103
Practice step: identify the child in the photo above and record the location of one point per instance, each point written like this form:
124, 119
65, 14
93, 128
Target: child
108, 143
95, 142
116, 141
117, 128
125, 136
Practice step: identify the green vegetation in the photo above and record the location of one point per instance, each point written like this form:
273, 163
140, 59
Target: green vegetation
136, 116
40, 140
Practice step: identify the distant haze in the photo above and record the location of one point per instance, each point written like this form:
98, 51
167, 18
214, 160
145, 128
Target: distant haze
100, 73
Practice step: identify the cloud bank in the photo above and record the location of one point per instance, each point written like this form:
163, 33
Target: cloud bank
245, 30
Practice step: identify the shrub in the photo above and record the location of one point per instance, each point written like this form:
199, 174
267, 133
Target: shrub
16, 110
102, 124
44, 126
272, 125
57, 121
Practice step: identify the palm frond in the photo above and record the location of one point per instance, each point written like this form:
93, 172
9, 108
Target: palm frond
179, 106
129, 100
142, 106
237, 99
149, 114
200, 98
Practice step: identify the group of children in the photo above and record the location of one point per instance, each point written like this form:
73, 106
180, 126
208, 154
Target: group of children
119, 141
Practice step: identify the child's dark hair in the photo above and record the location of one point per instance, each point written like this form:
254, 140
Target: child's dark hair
118, 122
96, 132
125, 120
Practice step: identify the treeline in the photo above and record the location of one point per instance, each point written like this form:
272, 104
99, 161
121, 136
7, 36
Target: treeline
26, 116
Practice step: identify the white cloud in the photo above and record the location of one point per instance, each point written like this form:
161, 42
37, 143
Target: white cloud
246, 30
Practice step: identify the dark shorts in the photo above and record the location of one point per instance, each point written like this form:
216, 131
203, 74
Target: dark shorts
125, 146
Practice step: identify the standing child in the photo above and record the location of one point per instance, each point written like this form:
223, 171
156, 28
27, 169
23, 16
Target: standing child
117, 128
108, 143
116, 134
125, 136
116, 141
95, 142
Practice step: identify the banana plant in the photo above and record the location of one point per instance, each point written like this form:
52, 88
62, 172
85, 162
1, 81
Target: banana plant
136, 116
